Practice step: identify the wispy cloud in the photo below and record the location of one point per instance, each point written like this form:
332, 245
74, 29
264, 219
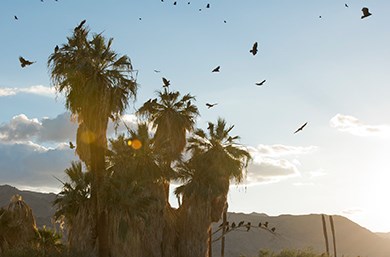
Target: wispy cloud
354, 126
272, 163
36, 90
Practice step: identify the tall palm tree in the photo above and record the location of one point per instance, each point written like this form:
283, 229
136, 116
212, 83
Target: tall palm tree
216, 159
97, 83
171, 117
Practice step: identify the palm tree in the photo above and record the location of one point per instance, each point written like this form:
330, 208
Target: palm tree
97, 85
171, 117
216, 159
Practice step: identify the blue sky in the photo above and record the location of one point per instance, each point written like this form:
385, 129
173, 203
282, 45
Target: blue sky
331, 72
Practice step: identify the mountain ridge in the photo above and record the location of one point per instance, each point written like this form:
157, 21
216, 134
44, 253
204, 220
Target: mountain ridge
291, 231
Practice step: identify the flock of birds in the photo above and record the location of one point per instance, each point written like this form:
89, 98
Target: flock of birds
166, 83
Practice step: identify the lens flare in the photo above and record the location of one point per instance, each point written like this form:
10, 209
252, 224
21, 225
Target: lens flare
135, 144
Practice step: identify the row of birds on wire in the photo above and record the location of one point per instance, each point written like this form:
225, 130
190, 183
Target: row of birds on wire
227, 227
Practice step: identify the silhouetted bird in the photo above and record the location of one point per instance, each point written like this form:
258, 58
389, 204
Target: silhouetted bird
24, 62
140, 18
174, 3
260, 83
248, 226
320, 16
346, 5
210, 105
56, 48
227, 229
254, 49
266, 224
366, 13
166, 82
80, 25
71, 145
233, 224
300, 128
224, 21
241, 223
16, 17
208, 6
273, 229
157, 71
216, 69
188, 2
259, 224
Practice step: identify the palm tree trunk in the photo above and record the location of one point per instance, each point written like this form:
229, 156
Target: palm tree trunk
325, 234
210, 243
333, 235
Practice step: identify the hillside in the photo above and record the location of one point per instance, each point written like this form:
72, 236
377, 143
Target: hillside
300, 232
40, 203
292, 232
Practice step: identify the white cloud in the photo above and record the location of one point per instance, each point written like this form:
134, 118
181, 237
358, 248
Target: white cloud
354, 126
272, 163
37, 90
34, 165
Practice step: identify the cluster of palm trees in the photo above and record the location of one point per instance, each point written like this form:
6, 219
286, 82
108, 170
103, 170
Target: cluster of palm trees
116, 200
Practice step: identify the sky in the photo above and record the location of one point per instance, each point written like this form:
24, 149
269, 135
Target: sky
322, 63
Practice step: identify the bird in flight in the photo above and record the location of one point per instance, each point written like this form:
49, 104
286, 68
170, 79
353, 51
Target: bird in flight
254, 49
260, 83
166, 82
366, 12
174, 3
210, 105
80, 25
208, 6
216, 69
71, 145
346, 5
16, 17
300, 128
157, 71
24, 62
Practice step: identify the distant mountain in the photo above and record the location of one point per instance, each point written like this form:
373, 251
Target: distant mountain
300, 232
291, 232
40, 203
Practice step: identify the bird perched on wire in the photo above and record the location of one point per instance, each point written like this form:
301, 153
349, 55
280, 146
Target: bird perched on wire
210, 105
254, 49
233, 224
273, 229
366, 12
241, 223
24, 62
299, 129
166, 82
248, 226
216, 69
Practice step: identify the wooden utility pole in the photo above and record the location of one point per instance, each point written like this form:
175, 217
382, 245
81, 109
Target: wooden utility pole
224, 221
333, 235
210, 242
325, 234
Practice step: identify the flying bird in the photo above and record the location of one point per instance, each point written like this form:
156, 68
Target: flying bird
16, 17
71, 145
224, 21
260, 83
366, 12
216, 69
300, 128
174, 3
210, 105
166, 82
346, 5
208, 6
24, 62
80, 25
254, 49
157, 71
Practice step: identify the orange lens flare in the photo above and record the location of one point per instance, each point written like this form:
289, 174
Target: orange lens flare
135, 144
